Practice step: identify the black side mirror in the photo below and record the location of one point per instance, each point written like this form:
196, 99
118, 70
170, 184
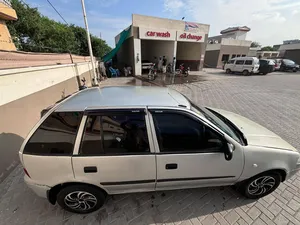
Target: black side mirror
229, 151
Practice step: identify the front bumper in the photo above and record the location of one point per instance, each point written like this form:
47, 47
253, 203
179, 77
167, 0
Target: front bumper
293, 172
40, 190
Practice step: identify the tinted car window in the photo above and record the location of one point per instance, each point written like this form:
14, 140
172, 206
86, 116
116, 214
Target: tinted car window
56, 135
231, 62
248, 62
239, 62
115, 134
181, 133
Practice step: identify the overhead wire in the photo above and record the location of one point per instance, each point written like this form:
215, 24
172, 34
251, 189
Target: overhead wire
57, 11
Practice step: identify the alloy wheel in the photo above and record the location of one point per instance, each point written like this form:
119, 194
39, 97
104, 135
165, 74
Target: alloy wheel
261, 185
80, 200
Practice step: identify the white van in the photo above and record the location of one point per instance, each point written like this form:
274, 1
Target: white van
245, 65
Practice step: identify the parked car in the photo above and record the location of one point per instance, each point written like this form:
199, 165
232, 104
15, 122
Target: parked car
117, 140
146, 64
244, 65
288, 65
266, 66
277, 64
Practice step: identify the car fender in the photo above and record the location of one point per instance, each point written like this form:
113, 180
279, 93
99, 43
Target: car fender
262, 159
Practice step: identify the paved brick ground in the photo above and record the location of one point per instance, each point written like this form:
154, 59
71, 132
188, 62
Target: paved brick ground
272, 100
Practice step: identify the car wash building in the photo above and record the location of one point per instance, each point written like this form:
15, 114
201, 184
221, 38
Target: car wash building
149, 37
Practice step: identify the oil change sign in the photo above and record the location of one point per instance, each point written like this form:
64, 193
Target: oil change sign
190, 37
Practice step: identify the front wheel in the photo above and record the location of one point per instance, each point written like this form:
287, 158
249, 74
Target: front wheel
245, 72
261, 185
81, 198
228, 71
186, 73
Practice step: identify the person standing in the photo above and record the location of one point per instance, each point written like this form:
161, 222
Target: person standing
160, 64
174, 65
164, 64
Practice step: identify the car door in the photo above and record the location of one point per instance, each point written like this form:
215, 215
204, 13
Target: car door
239, 65
190, 153
114, 151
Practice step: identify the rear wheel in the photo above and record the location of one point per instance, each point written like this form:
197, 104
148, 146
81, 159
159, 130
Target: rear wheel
294, 70
81, 198
265, 73
245, 72
260, 185
228, 71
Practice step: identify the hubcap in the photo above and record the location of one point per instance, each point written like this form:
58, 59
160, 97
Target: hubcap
261, 185
80, 200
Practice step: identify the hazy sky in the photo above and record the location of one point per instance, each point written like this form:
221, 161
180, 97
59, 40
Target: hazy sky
271, 21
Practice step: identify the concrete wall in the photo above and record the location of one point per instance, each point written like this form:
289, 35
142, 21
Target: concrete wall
234, 42
293, 55
125, 54
19, 59
229, 49
189, 54
24, 93
156, 22
6, 42
289, 47
152, 48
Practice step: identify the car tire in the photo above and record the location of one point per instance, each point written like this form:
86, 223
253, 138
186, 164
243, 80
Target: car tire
246, 73
294, 70
228, 71
260, 185
81, 198
265, 73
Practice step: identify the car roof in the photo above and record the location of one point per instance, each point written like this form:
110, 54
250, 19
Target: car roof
123, 96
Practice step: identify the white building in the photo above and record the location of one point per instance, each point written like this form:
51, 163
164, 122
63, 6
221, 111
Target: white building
230, 44
151, 37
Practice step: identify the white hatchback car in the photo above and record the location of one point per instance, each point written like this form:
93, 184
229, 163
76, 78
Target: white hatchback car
136, 139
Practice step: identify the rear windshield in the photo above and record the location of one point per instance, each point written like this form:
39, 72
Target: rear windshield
56, 135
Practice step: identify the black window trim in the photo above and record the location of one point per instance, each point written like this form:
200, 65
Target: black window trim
192, 116
115, 111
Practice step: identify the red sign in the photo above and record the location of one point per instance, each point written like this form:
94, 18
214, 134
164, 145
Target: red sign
158, 34
191, 36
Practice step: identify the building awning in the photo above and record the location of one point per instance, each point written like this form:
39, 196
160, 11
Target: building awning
123, 36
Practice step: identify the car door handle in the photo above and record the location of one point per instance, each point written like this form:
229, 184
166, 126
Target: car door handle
171, 166
90, 169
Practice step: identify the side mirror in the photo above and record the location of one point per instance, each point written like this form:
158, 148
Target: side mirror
229, 151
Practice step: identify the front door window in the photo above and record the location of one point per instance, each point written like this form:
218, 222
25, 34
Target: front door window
181, 133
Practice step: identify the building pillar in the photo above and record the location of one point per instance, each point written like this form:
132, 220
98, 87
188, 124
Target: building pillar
137, 57
202, 53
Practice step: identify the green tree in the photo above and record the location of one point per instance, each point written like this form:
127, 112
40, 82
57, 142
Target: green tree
267, 48
37, 33
254, 44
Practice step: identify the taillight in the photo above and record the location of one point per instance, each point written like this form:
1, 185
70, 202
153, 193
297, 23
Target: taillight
26, 172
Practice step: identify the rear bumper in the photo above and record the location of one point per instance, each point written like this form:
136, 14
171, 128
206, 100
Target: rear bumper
40, 190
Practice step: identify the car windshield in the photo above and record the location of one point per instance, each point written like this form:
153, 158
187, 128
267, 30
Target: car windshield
225, 125
288, 62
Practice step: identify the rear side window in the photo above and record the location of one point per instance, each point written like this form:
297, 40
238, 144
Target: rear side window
56, 135
248, 62
115, 134
239, 62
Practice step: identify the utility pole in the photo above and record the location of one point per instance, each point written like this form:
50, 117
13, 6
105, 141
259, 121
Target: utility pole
89, 43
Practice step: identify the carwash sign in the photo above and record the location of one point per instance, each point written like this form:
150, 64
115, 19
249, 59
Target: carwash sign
157, 34
190, 37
